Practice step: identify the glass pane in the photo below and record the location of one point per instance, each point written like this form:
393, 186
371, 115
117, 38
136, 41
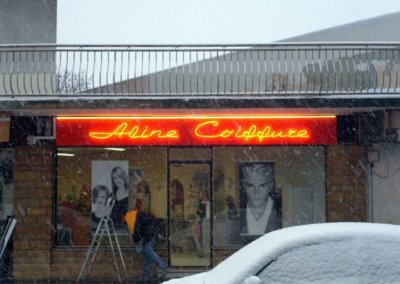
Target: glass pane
6, 183
299, 187
190, 214
85, 176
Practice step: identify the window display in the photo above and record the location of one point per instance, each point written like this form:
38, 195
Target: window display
88, 176
239, 192
190, 208
259, 189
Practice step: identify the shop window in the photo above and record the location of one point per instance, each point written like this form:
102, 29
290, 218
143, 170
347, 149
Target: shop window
6, 204
288, 183
190, 213
6, 183
86, 177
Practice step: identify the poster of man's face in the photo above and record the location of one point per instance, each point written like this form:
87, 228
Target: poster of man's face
257, 186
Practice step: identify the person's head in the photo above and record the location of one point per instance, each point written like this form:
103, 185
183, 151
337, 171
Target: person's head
200, 181
204, 195
142, 188
119, 178
176, 184
257, 181
229, 199
100, 194
139, 205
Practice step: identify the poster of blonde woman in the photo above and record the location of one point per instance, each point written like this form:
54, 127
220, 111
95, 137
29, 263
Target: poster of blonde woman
111, 176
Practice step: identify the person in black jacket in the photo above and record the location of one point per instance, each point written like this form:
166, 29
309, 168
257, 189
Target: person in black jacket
146, 229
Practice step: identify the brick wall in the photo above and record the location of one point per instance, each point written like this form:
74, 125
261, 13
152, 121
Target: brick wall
346, 198
220, 254
66, 264
33, 196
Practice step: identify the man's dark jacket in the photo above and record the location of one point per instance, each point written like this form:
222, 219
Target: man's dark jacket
274, 220
146, 227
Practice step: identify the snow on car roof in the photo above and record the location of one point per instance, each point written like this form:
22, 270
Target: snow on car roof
265, 249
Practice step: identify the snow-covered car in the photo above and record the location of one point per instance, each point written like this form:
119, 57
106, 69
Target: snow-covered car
317, 253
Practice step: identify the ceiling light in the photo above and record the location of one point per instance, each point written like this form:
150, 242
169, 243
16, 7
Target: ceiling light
66, 154
116, 149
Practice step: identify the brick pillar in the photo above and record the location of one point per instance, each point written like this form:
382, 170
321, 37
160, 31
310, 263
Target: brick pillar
347, 186
33, 198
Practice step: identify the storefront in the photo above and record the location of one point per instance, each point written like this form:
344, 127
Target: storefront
186, 170
202, 161
194, 189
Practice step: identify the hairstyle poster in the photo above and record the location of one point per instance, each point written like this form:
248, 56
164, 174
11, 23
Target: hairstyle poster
257, 185
110, 178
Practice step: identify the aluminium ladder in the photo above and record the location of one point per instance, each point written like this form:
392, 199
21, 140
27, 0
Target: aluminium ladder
106, 229
7, 234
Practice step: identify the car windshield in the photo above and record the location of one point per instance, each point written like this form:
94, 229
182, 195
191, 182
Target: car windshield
345, 261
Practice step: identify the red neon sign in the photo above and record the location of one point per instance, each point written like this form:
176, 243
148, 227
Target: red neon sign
201, 130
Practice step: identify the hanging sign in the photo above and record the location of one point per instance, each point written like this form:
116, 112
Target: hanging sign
196, 130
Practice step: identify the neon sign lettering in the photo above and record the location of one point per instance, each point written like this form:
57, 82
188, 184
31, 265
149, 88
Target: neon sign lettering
136, 132
252, 132
196, 130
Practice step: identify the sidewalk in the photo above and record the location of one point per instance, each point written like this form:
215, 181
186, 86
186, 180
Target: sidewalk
94, 281
172, 273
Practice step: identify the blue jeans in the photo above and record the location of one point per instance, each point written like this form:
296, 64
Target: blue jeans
151, 256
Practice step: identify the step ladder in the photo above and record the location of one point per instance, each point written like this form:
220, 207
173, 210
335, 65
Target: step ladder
7, 234
105, 229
